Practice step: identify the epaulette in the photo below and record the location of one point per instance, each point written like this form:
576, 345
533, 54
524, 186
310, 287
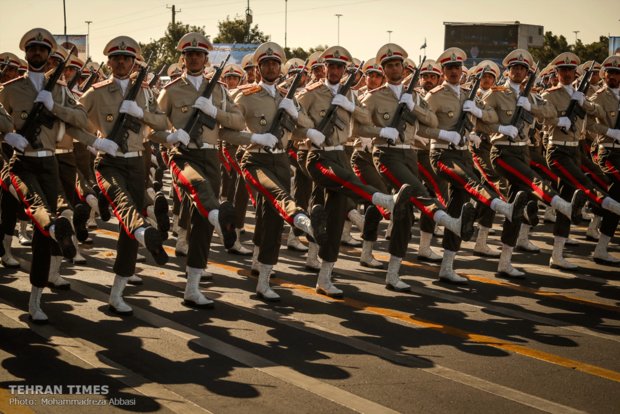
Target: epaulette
283, 91
555, 88
61, 82
103, 83
169, 84
436, 89
499, 88
13, 80
314, 85
250, 89
377, 89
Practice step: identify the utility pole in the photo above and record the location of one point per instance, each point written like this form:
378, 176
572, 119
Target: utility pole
338, 15
248, 22
174, 13
576, 35
389, 36
285, 21
88, 22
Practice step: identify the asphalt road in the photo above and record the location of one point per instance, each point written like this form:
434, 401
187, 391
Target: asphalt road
545, 343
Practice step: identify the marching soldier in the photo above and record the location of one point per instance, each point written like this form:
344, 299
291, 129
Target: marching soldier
453, 161
329, 167
121, 175
9, 66
395, 158
267, 168
247, 63
233, 75
34, 170
606, 126
563, 153
194, 165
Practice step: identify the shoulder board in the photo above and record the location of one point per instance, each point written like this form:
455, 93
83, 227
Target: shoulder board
499, 88
247, 90
169, 84
61, 83
377, 89
555, 88
13, 80
103, 83
314, 85
436, 89
283, 91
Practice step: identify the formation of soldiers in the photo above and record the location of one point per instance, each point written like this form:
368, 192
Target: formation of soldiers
321, 145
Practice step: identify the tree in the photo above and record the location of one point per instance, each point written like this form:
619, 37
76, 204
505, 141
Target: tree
300, 53
554, 45
163, 50
594, 51
238, 30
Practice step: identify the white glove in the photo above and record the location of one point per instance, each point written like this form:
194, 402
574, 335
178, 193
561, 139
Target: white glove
106, 145
613, 133
316, 136
470, 106
474, 139
508, 130
289, 106
266, 140
131, 108
452, 137
579, 97
17, 141
45, 97
389, 133
344, 103
564, 122
206, 106
524, 103
407, 98
178, 136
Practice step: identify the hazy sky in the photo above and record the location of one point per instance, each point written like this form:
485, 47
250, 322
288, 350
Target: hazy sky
363, 25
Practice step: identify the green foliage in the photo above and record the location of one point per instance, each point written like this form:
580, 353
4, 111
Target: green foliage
163, 50
238, 30
554, 45
300, 53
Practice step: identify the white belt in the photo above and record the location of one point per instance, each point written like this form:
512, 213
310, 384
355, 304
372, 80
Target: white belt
63, 151
131, 154
564, 143
401, 146
38, 154
447, 146
610, 145
208, 146
333, 148
260, 150
511, 144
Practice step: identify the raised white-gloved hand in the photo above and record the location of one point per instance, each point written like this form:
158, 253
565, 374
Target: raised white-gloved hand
316, 137
564, 122
17, 141
508, 130
344, 103
389, 133
266, 140
289, 106
45, 97
106, 145
452, 137
178, 136
474, 139
206, 106
579, 97
470, 106
131, 108
524, 103
407, 98
613, 133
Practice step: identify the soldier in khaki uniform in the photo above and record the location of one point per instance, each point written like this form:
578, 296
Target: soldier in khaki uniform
195, 165
9, 66
608, 156
266, 166
453, 161
247, 63
34, 171
395, 158
563, 153
510, 153
120, 175
329, 167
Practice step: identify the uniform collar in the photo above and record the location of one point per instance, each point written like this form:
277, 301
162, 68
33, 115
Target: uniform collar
196, 81
271, 89
122, 83
568, 88
516, 87
397, 89
332, 88
616, 92
37, 79
455, 88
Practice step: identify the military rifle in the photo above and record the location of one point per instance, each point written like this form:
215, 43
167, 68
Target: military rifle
91, 79
464, 124
403, 115
198, 120
282, 120
125, 122
520, 115
39, 116
156, 77
575, 110
77, 76
331, 118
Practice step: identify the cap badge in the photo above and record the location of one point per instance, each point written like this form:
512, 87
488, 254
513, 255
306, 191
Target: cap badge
39, 36
122, 46
194, 42
567, 60
520, 58
337, 54
269, 52
389, 52
453, 57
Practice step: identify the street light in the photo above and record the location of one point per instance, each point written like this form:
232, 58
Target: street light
576, 33
338, 15
389, 36
285, 21
88, 22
